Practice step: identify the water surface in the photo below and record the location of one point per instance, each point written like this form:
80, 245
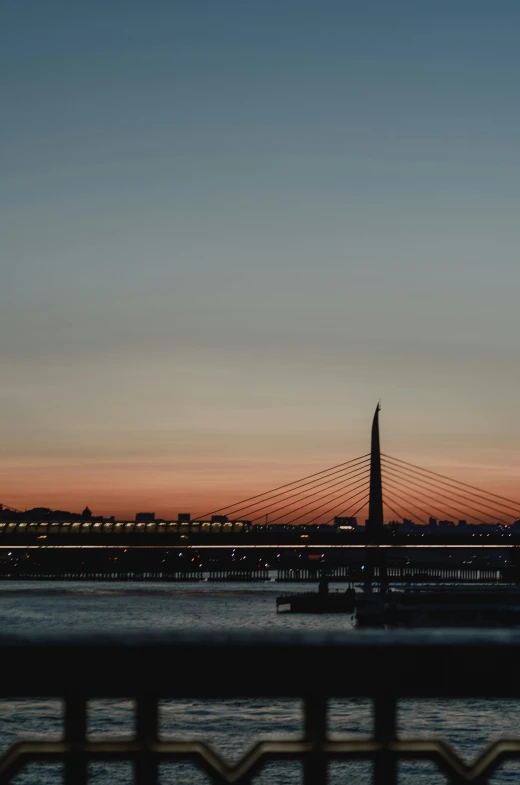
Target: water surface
230, 726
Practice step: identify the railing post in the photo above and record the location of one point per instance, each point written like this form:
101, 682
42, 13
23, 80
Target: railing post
146, 727
75, 732
385, 722
315, 765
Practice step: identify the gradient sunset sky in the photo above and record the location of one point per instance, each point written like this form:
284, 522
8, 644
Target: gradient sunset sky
228, 228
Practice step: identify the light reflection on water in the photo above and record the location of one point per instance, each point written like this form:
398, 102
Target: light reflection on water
231, 726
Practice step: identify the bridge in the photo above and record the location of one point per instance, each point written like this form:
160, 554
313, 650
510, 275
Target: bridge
409, 510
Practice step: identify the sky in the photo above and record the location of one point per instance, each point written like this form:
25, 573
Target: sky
227, 229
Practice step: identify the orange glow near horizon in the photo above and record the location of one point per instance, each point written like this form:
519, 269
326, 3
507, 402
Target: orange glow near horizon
122, 489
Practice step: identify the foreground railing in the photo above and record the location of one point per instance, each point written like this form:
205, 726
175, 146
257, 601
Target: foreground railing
315, 667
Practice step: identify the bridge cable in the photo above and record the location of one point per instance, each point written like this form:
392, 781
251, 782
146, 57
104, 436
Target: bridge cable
351, 486
347, 509
410, 507
449, 480
491, 512
449, 512
448, 501
447, 498
334, 506
334, 498
398, 499
331, 482
462, 495
309, 495
400, 516
411, 497
395, 512
286, 485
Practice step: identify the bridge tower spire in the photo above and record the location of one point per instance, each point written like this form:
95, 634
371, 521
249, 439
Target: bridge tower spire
375, 504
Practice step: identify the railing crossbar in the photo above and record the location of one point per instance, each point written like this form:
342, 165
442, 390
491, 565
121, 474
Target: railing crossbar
386, 668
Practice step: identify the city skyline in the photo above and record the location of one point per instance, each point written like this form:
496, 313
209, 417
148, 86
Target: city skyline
227, 232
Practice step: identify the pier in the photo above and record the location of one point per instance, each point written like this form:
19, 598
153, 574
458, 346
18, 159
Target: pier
344, 574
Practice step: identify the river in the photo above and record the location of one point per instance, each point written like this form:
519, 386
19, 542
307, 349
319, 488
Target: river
230, 726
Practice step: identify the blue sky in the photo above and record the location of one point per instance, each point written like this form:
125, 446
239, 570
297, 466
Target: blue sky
228, 229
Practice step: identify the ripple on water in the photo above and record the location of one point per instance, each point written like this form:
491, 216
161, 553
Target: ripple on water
231, 726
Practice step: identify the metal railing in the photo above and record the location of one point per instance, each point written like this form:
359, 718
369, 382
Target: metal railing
314, 667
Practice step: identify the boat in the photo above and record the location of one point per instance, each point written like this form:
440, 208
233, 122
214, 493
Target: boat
495, 606
321, 601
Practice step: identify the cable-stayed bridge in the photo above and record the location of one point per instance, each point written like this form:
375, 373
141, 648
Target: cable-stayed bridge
388, 496
410, 494
379, 488
404, 508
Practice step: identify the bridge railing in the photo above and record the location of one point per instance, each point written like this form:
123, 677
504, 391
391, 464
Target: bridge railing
314, 667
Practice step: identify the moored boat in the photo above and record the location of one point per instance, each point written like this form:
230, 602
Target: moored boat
448, 607
317, 602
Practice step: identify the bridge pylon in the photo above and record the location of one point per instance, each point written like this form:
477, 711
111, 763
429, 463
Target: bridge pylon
374, 525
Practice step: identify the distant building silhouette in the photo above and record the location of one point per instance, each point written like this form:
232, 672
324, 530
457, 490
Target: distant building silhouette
38, 512
144, 517
340, 521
